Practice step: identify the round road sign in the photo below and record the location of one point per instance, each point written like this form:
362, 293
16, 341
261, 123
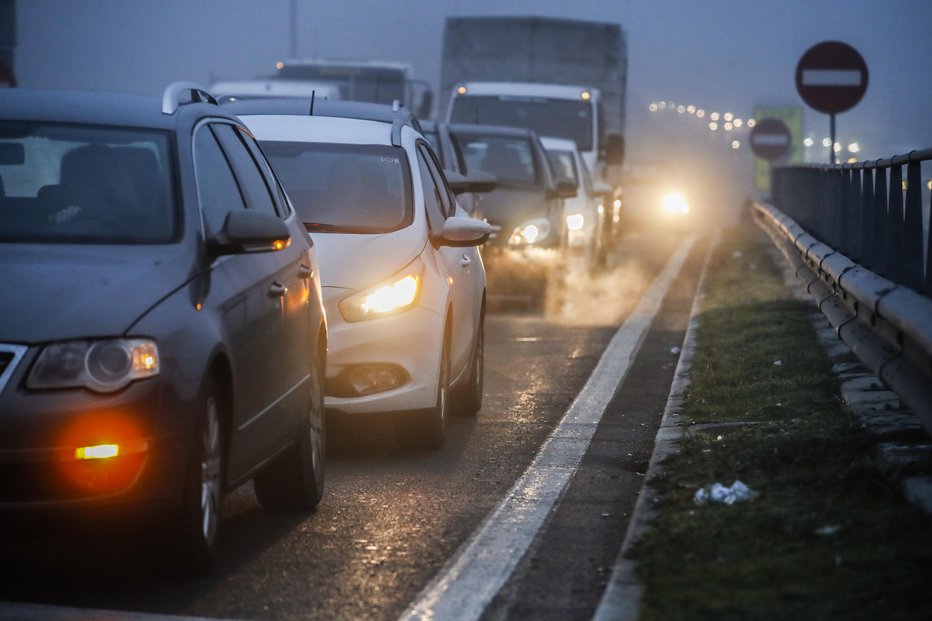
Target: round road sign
770, 139
831, 77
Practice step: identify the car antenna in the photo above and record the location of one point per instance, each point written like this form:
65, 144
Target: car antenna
311, 112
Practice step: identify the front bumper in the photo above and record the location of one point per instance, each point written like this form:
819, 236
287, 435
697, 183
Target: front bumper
409, 342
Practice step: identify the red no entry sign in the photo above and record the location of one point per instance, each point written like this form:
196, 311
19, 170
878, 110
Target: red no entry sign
770, 139
831, 77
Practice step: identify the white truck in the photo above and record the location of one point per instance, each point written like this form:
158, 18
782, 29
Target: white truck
362, 80
557, 77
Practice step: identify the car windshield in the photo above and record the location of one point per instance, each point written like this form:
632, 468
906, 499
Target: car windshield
509, 158
560, 118
345, 188
71, 184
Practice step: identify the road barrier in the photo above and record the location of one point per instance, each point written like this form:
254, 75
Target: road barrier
866, 210
887, 324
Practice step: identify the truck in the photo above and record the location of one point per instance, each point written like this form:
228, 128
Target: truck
363, 80
558, 77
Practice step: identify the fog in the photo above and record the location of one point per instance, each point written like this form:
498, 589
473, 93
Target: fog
725, 56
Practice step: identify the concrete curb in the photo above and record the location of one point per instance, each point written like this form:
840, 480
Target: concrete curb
621, 600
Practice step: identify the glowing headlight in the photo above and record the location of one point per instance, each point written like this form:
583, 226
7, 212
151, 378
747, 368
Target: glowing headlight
674, 203
397, 294
103, 366
575, 222
530, 232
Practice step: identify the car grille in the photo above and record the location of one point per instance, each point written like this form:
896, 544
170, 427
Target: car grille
10, 355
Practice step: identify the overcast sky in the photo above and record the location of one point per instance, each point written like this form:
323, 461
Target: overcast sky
724, 55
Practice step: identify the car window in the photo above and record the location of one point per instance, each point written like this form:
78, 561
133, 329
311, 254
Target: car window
432, 195
345, 187
254, 185
217, 189
564, 165
509, 158
447, 200
65, 183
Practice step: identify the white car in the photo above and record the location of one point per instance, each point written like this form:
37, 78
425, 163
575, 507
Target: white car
585, 212
403, 283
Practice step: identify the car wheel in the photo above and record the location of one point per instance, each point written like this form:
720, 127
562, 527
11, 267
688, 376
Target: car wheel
197, 524
429, 429
469, 397
295, 480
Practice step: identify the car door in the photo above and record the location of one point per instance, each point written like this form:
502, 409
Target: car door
245, 290
463, 265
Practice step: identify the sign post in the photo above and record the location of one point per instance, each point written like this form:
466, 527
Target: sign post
831, 77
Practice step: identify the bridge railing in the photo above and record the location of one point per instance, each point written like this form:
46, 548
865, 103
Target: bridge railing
858, 247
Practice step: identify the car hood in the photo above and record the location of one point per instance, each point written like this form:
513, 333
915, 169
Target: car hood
512, 206
355, 261
67, 292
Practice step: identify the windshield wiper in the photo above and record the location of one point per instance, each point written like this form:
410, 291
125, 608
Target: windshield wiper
337, 228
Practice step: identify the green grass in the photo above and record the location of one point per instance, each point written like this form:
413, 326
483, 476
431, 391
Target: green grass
801, 451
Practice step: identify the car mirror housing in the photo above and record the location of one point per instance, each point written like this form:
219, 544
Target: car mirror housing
246, 230
600, 188
461, 232
564, 189
476, 181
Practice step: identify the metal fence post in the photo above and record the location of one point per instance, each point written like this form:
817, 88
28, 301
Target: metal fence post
912, 228
867, 217
895, 225
880, 219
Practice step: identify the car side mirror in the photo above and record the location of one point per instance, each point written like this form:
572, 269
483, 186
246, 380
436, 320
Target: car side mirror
564, 189
462, 232
246, 230
476, 181
600, 188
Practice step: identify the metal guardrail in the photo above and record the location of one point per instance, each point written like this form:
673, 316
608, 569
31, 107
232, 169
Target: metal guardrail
866, 210
887, 325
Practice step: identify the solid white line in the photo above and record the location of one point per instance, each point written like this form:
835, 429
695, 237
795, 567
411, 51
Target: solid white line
466, 585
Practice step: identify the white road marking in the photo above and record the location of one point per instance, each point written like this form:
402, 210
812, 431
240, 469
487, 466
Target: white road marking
466, 585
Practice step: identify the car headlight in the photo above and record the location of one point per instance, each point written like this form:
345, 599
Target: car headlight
394, 295
530, 232
575, 221
100, 365
675, 203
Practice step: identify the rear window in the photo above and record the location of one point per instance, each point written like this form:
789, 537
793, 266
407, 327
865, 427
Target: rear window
85, 184
510, 159
344, 188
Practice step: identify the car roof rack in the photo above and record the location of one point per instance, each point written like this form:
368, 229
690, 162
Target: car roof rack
171, 98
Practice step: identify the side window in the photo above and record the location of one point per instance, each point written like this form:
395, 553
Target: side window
254, 186
278, 192
435, 215
217, 190
447, 201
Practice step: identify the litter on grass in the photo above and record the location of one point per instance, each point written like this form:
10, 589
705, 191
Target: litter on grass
738, 492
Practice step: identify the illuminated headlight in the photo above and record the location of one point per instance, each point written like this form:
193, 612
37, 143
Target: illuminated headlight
395, 295
674, 204
530, 232
102, 366
575, 222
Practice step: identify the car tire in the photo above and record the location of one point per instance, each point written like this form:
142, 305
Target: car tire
294, 481
469, 397
196, 526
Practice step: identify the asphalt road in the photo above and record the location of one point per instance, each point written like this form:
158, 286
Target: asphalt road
391, 517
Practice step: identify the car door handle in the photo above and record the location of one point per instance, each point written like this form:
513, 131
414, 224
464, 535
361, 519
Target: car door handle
305, 272
277, 290
465, 261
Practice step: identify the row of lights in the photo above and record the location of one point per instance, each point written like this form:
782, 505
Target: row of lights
724, 121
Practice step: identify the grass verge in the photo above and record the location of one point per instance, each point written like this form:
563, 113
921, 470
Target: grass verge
827, 537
